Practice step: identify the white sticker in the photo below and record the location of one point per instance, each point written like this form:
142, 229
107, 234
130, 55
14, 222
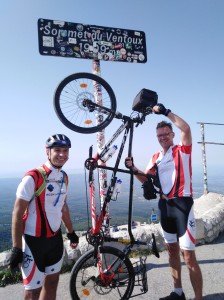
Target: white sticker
141, 57
72, 41
48, 41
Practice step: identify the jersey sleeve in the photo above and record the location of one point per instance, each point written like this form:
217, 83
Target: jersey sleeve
26, 188
154, 160
149, 166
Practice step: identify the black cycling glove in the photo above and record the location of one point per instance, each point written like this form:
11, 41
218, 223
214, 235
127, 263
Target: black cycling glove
15, 258
74, 239
162, 110
128, 159
132, 166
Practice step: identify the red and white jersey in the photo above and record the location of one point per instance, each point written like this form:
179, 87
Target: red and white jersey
175, 171
44, 213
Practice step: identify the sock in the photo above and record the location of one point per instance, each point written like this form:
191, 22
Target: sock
178, 291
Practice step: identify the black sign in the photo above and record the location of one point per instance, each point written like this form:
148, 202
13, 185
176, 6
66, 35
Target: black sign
65, 39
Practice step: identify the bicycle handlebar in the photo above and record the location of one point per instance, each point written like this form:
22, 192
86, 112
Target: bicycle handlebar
139, 119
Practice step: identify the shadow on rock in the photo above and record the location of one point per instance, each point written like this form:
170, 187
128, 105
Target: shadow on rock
219, 239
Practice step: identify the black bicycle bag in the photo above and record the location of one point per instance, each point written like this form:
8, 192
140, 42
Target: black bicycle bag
144, 99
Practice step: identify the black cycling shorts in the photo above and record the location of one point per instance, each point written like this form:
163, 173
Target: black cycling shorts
46, 251
178, 221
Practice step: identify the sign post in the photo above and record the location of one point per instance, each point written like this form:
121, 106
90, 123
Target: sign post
100, 144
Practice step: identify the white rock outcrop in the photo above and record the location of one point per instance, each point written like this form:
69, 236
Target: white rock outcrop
209, 215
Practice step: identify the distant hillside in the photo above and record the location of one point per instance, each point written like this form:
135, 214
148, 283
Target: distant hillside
78, 203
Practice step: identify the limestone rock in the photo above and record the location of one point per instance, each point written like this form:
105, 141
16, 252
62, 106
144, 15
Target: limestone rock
209, 215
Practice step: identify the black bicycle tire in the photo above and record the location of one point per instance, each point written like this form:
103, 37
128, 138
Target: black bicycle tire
107, 250
74, 102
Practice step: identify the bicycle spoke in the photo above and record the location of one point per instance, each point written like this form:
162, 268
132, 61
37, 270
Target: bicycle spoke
69, 102
87, 283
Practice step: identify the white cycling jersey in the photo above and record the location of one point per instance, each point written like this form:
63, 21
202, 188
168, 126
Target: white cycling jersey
46, 211
174, 170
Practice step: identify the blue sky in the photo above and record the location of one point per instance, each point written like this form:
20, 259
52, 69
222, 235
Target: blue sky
185, 66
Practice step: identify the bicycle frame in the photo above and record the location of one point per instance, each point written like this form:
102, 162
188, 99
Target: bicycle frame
96, 236
128, 128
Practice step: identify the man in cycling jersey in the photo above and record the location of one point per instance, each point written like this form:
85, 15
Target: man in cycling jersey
173, 164
39, 209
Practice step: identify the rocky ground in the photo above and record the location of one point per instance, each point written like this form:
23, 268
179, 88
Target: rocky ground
209, 211
210, 258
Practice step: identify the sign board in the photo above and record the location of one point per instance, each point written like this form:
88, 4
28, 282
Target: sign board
153, 218
65, 39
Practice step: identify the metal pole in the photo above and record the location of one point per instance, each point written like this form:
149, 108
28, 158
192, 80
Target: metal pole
204, 158
203, 143
100, 144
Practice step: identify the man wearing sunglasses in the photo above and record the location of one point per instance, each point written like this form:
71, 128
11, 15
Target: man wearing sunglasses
173, 164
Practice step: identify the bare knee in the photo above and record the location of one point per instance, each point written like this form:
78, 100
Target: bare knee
32, 294
49, 287
190, 259
51, 281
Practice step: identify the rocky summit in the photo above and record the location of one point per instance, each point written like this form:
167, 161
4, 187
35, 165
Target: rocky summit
209, 214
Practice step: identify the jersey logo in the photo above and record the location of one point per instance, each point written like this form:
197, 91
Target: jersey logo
50, 188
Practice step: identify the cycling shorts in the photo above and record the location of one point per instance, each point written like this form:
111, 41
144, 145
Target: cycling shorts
41, 256
178, 221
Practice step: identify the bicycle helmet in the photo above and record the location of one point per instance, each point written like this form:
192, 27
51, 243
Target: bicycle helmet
58, 140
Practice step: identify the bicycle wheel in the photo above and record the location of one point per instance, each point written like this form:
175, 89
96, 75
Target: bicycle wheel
70, 107
86, 282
